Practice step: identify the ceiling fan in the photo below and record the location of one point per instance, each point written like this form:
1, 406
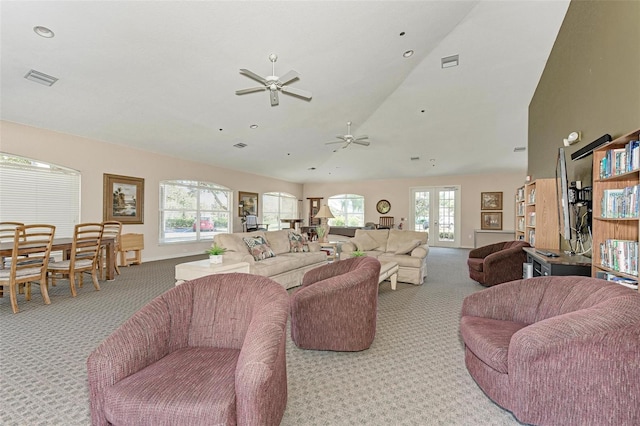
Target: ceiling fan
348, 139
274, 83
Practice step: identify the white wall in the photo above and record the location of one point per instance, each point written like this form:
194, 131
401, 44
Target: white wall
93, 158
398, 193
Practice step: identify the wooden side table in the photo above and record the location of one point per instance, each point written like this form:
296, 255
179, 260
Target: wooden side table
333, 247
200, 268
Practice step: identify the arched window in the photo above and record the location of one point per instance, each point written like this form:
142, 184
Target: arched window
33, 191
347, 209
193, 211
276, 206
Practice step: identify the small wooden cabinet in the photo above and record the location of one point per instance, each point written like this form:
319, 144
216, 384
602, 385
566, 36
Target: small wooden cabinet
314, 208
520, 209
541, 227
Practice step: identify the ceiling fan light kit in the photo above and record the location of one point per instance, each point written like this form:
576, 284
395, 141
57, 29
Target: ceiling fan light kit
348, 139
274, 84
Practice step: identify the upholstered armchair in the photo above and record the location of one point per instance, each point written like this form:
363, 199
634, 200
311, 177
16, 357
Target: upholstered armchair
335, 309
558, 350
497, 263
208, 352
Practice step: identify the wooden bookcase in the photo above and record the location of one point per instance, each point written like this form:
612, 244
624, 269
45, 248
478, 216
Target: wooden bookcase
520, 218
541, 214
608, 230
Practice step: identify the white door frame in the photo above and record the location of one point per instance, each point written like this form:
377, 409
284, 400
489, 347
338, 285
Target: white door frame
434, 218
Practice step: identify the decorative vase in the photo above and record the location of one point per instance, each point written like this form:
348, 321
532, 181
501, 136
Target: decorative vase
215, 258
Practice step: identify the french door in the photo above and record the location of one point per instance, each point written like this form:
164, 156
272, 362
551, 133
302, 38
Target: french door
437, 210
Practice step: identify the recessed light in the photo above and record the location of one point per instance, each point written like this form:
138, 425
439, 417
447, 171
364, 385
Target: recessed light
311, 168
43, 32
450, 61
253, 126
240, 145
40, 77
408, 53
402, 33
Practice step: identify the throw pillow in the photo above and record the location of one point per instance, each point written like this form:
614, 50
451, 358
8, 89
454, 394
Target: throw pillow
258, 248
408, 246
365, 242
298, 243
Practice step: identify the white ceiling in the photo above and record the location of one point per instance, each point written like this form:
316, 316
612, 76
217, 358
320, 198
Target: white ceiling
161, 76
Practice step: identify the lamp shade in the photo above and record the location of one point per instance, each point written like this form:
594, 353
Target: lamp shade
324, 213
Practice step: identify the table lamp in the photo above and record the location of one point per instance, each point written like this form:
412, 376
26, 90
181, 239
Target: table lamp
324, 213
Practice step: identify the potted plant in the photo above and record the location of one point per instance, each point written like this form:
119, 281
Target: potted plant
320, 230
215, 253
358, 253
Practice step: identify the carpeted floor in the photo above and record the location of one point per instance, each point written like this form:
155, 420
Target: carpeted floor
413, 374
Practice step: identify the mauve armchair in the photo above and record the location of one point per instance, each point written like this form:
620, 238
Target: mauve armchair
558, 350
208, 352
497, 263
335, 309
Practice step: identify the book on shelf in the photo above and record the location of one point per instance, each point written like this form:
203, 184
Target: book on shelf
532, 237
627, 282
532, 219
620, 255
617, 161
620, 203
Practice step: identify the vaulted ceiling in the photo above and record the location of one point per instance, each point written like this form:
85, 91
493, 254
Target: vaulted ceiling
162, 76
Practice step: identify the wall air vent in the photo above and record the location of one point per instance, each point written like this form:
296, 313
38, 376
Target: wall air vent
415, 158
240, 145
40, 77
520, 149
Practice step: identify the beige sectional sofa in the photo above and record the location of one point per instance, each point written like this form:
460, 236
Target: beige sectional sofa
286, 267
408, 248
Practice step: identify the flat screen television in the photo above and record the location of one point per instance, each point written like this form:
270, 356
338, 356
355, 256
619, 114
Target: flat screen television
562, 187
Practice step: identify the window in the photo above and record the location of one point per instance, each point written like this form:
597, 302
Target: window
276, 206
36, 192
193, 211
347, 209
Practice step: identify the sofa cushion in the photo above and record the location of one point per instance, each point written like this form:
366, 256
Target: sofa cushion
258, 248
489, 339
286, 262
197, 382
398, 238
365, 242
402, 260
407, 247
278, 241
235, 242
298, 243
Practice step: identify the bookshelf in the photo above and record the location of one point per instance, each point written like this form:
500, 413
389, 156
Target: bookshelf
616, 222
520, 218
541, 214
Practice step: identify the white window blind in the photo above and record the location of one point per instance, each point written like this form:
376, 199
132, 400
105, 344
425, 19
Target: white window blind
36, 192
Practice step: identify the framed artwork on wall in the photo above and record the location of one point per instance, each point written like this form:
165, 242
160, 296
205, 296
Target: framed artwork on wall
491, 221
123, 199
491, 201
247, 203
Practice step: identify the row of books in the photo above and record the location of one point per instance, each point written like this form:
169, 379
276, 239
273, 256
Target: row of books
620, 160
627, 282
532, 219
620, 255
620, 203
532, 238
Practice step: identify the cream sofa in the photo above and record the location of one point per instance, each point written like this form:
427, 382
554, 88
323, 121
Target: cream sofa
408, 248
286, 268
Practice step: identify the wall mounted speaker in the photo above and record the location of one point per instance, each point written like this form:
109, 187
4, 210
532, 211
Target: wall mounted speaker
588, 149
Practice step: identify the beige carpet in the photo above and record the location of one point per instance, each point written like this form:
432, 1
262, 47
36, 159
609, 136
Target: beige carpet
412, 375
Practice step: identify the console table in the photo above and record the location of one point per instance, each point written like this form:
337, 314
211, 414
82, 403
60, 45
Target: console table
564, 264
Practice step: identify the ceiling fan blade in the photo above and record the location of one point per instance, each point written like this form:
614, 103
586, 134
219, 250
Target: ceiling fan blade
253, 76
332, 142
296, 92
359, 138
290, 76
365, 143
274, 97
250, 90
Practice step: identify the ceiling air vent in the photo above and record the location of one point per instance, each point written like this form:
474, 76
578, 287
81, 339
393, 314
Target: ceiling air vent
450, 61
40, 77
240, 145
415, 158
519, 149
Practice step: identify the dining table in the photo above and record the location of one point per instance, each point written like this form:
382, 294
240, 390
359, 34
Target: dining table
64, 245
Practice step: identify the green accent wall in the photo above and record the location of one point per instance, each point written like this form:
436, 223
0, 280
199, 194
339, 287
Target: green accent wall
591, 83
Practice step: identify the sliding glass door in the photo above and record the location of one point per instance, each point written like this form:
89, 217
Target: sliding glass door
437, 210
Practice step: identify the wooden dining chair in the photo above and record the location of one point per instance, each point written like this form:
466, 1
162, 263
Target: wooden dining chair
29, 261
110, 229
7, 231
386, 222
83, 258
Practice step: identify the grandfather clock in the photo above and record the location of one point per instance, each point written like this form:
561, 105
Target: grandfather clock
314, 207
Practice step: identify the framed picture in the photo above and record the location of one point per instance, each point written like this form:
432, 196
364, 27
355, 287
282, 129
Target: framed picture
247, 203
491, 201
491, 221
123, 199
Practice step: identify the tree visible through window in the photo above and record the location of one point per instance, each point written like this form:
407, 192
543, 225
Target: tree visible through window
347, 209
193, 211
